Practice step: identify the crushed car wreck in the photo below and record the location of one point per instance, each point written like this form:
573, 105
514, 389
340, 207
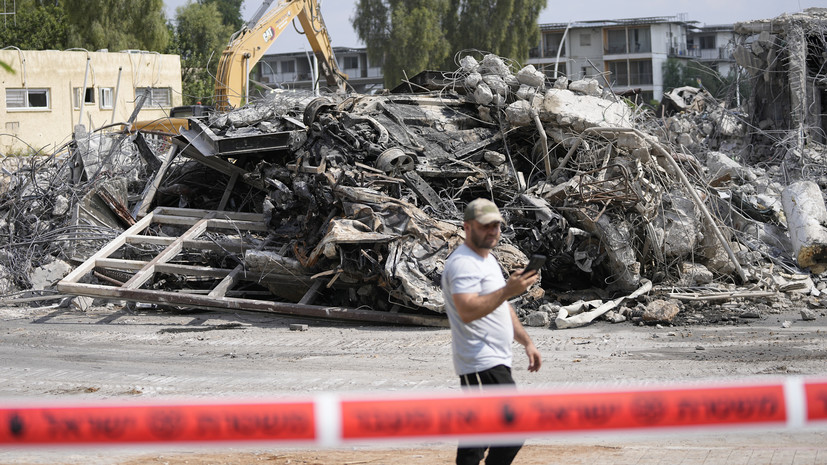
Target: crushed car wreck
346, 206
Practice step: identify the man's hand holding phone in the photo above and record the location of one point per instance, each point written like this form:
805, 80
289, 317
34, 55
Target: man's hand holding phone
534, 265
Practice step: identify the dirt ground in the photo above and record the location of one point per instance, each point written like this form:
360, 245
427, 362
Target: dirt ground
115, 352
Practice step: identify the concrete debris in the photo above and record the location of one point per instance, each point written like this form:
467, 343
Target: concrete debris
348, 205
47, 275
540, 319
660, 311
577, 315
806, 215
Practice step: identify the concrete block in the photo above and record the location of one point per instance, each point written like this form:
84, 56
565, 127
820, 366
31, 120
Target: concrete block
49, 274
587, 86
469, 64
530, 76
537, 319
565, 105
473, 80
83, 303
496, 84
483, 95
518, 114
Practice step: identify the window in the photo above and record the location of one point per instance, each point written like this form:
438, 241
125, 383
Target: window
706, 42
352, 62
552, 42
640, 40
159, 96
88, 96
288, 67
585, 40
268, 74
27, 98
106, 98
616, 41
640, 72
585, 71
618, 73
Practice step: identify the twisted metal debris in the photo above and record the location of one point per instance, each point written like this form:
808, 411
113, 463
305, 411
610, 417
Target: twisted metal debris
361, 194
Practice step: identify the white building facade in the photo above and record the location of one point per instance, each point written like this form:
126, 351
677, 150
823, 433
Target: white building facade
628, 55
48, 92
295, 70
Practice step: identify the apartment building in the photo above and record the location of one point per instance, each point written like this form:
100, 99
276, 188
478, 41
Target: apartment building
627, 55
295, 70
713, 46
48, 92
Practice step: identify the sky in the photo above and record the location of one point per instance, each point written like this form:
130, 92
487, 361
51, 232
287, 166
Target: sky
337, 14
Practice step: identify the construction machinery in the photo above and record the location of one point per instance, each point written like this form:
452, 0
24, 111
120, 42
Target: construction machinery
245, 49
248, 45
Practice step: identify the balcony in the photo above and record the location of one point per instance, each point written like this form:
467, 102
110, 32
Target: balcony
710, 54
679, 51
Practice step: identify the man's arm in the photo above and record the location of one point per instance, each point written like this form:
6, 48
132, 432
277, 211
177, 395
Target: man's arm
472, 307
521, 336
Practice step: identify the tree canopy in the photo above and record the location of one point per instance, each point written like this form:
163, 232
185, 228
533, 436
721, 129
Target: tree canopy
116, 24
200, 38
36, 25
230, 12
415, 35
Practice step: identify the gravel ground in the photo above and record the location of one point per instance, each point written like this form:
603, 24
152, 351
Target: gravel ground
112, 352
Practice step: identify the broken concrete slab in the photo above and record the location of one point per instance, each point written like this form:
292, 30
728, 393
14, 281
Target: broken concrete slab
568, 109
46, 276
806, 214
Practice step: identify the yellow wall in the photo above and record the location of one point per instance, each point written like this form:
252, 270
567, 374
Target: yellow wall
60, 72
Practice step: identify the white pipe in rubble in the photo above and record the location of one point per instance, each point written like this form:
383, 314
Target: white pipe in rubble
543, 140
684, 180
560, 49
117, 91
82, 96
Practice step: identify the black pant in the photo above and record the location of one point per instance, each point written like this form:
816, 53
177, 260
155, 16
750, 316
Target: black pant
497, 455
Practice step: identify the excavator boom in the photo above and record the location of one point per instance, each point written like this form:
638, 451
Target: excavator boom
251, 43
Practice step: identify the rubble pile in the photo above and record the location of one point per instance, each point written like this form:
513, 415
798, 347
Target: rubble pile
354, 202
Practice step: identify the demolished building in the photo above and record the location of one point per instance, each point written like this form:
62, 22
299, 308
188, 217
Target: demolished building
784, 58
347, 206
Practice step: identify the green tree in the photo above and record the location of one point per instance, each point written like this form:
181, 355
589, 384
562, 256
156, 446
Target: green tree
37, 25
507, 28
200, 38
672, 74
406, 36
116, 24
412, 36
230, 11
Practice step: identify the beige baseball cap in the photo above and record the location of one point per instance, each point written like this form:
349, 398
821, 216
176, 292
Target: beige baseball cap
484, 211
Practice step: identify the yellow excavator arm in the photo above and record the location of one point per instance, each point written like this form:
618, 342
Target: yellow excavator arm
251, 43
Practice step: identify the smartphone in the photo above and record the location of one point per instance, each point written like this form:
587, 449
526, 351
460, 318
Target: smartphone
536, 262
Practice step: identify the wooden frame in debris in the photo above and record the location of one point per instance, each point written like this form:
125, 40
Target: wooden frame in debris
199, 222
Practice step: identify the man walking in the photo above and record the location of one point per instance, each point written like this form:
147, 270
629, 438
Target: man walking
483, 322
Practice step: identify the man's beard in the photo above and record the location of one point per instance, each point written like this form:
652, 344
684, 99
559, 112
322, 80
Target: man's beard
481, 241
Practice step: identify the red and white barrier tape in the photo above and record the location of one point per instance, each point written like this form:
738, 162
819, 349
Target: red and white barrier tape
494, 415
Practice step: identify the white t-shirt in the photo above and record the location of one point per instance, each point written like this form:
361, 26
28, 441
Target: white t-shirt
486, 342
